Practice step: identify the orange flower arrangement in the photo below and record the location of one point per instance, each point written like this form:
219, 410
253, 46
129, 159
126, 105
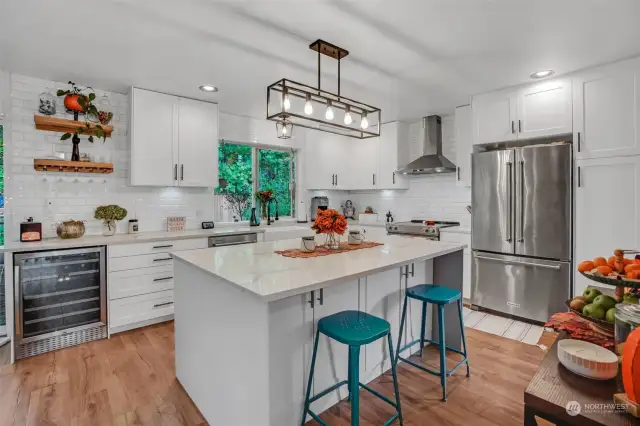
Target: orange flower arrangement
329, 221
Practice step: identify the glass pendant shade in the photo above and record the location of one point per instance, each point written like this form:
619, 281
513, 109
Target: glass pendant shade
284, 129
328, 114
364, 123
308, 106
347, 117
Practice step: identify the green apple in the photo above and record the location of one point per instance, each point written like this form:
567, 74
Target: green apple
591, 293
594, 311
611, 315
607, 302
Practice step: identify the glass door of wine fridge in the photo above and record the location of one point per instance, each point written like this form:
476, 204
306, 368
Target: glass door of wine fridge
60, 299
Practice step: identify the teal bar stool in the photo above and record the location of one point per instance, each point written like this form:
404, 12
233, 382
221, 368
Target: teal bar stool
355, 329
440, 296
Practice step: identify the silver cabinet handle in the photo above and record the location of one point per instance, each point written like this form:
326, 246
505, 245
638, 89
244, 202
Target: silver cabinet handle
321, 298
163, 259
519, 126
164, 246
312, 300
336, 179
374, 178
513, 126
458, 172
521, 239
175, 172
162, 279
578, 141
333, 180
181, 171
393, 178
163, 304
579, 177
518, 262
510, 199
412, 269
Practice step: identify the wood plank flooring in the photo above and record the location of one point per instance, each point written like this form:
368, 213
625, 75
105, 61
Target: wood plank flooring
130, 380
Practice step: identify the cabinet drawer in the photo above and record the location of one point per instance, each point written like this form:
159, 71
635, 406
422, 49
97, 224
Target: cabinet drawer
140, 308
450, 237
137, 262
140, 281
125, 250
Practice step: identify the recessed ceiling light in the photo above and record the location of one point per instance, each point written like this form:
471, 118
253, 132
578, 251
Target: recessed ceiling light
542, 74
208, 88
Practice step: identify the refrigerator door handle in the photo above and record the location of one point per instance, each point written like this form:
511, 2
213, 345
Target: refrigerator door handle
518, 262
521, 239
510, 200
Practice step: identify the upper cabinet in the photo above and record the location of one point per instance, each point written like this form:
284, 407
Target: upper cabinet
538, 110
343, 163
464, 149
605, 111
174, 141
494, 117
544, 109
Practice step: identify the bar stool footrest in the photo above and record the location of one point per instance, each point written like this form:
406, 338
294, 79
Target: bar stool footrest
415, 342
327, 391
379, 395
428, 370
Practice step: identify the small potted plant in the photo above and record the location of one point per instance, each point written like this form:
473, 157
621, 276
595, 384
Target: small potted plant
109, 215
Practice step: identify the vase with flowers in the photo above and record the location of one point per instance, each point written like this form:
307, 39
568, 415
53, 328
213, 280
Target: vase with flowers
332, 223
264, 197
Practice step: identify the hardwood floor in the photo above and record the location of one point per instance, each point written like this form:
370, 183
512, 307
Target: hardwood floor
130, 380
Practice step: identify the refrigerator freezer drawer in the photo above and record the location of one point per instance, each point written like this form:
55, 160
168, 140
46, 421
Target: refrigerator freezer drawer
521, 286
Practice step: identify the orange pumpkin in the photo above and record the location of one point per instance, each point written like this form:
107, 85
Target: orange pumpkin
631, 365
71, 103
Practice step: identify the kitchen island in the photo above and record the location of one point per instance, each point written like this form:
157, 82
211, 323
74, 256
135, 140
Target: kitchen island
245, 318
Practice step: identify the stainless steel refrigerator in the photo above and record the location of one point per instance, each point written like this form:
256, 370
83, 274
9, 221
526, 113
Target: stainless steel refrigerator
522, 230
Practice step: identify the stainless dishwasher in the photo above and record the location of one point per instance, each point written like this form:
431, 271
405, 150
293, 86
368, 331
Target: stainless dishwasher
232, 240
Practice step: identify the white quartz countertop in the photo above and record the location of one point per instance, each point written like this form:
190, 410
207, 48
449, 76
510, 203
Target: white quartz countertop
257, 269
141, 237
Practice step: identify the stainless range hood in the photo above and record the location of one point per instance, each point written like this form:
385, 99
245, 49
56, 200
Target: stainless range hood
432, 161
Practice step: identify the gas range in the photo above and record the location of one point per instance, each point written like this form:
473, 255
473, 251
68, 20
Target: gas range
429, 229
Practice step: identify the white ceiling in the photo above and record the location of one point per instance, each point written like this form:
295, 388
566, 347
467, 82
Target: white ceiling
409, 57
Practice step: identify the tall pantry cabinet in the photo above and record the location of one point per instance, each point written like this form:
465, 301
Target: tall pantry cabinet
174, 141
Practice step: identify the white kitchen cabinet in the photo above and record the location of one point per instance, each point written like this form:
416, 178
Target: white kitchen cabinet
533, 111
494, 117
153, 135
464, 145
393, 140
606, 114
174, 141
544, 109
360, 171
324, 158
198, 143
607, 209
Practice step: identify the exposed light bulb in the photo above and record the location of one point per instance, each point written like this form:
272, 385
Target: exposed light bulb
347, 117
287, 102
329, 112
308, 107
364, 123
284, 129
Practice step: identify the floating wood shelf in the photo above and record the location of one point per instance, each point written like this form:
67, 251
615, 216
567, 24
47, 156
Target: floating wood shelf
54, 124
72, 166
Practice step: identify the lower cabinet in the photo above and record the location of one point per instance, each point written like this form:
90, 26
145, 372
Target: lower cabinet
140, 282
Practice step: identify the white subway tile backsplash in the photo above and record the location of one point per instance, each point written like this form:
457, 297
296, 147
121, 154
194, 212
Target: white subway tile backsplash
54, 197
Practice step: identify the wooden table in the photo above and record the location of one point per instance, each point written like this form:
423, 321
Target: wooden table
553, 386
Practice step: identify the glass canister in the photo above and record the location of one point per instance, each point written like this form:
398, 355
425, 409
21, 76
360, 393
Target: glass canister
47, 103
105, 111
627, 319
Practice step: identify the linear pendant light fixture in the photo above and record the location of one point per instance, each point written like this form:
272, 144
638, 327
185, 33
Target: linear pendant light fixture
292, 104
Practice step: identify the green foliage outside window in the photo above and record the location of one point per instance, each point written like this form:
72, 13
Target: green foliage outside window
274, 173
234, 168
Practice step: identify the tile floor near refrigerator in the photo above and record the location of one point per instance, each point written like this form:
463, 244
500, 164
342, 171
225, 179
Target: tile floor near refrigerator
500, 326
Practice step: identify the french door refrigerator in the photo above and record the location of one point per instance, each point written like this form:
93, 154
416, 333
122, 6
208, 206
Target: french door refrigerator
522, 230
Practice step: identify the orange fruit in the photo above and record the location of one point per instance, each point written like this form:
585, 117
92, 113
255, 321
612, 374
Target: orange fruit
612, 261
627, 261
600, 261
586, 266
605, 270
632, 267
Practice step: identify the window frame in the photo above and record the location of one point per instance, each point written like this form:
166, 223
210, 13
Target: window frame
255, 175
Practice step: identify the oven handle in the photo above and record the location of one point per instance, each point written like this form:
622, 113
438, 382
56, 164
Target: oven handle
519, 262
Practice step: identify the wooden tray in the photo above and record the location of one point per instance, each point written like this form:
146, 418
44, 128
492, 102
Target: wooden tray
612, 281
599, 323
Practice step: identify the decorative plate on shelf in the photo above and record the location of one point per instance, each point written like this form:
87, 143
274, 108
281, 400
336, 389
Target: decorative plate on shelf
599, 323
587, 359
612, 281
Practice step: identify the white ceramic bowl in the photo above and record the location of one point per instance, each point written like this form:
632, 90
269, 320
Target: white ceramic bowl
587, 359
